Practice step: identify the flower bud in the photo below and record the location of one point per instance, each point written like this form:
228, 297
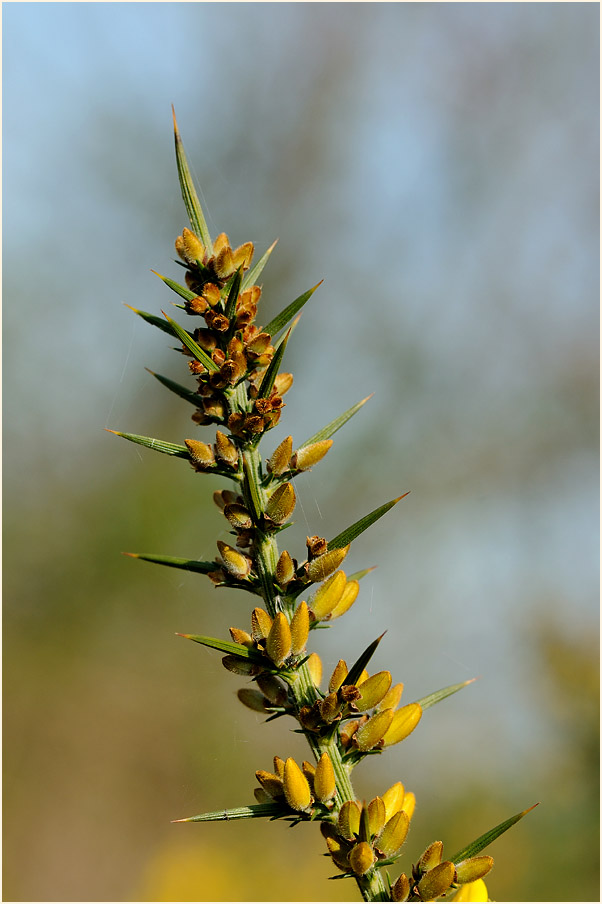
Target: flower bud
392, 697
283, 383
296, 786
348, 824
330, 707
361, 858
281, 504
273, 688
409, 803
431, 857
320, 568
279, 766
189, 248
270, 783
240, 666
262, 796
306, 458
201, 454
253, 699
401, 889
472, 869
338, 676
234, 562
261, 624
338, 851
324, 780
300, 628
352, 588
238, 516
314, 664
326, 597
404, 722
309, 772
285, 569
472, 891
240, 636
436, 882
225, 449
394, 834
393, 800
372, 731
376, 816
279, 641
278, 462
373, 690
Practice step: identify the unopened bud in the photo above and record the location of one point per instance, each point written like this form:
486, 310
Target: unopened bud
189, 248
238, 516
349, 819
324, 780
376, 816
361, 858
338, 676
309, 772
431, 857
285, 569
241, 666
253, 699
327, 596
240, 636
306, 458
225, 449
273, 689
261, 624
436, 882
409, 803
401, 889
278, 462
314, 664
472, 869
373, 690
279, 641
330, 707
270, 783
394, 834
372, 731
281, 504
393, 800
392, 698
349, 596
320, 568
338, 851
300, 628
296, 786
404, 722
472, 891
235, 563
201, 454
283, 383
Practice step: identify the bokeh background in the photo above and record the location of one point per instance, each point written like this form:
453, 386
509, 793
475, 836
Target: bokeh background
437, 166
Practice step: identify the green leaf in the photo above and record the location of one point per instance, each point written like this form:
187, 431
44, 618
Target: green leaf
327, 432
233, 294
254, 811
155, 321
251, 276
185, 337
358, 667
363, 524
431, 699
174, 562
157, 444
226, 646
358, 575
271, 373
182, 391
475, 847
281, 320
176, 287
191, 201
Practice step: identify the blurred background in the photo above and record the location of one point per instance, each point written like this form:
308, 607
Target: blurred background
437, 166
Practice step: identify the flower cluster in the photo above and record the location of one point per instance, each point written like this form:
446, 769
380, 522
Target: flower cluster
239, 390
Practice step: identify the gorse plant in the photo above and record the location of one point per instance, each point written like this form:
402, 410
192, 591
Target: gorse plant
238, 392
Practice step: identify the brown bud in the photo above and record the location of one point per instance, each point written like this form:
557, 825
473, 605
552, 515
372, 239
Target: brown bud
197, 305
214, 408
253, 699
189, 248
283, 383
211, 293
201, 454
225, 449
278, 462
217, 322
238, 516
401, 889
350, 729
271, 783
273, 689
310, 717
330, 707
281, 504
241, 666
316, 546
258, 344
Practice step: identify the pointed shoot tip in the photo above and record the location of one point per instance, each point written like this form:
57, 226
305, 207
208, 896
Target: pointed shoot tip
186, 819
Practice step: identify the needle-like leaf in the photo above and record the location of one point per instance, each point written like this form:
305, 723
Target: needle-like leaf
271, 373
155, 321
174, 562
435, 697
226, 646
254, 811
251, 276
327, 432
185, 337
191, 201
281, 319
360, 664
475, 847
180, 390
176, 287
350, 533
157, 444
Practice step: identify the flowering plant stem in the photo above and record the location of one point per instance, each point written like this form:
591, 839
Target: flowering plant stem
239, 391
